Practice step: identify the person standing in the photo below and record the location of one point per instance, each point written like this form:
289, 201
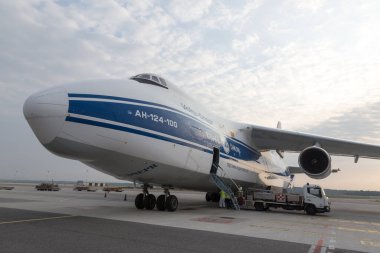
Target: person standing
222, 202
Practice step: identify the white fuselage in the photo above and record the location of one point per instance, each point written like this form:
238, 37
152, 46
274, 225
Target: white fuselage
149, 134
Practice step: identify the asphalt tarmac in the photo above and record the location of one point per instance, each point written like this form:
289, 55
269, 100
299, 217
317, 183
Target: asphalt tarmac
30, 231
69, 221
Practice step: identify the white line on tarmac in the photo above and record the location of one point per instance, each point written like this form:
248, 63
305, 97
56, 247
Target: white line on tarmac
39, 219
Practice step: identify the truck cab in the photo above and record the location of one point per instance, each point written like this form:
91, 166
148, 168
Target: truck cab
315, 199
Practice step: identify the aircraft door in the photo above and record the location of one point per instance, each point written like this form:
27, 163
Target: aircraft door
215, 160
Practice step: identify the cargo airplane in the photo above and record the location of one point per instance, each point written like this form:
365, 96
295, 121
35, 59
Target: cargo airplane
145, 129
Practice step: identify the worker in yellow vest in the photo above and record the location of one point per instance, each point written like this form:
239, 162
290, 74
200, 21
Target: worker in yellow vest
222, 202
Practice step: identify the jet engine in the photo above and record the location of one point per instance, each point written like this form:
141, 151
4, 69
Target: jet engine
315, 162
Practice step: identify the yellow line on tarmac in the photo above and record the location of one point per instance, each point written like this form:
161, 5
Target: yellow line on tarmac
39, 219
368, 231
356, 222
368, 242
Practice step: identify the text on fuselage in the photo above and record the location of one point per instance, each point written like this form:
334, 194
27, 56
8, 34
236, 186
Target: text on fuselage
156, 118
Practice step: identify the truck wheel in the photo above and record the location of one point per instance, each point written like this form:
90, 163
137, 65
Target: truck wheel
259, 206
310, 210
139, 201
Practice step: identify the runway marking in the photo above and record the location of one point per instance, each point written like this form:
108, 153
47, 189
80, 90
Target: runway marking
356, 222
331, 247
318, 247
368, 231
298, 229
38, 219
367, 242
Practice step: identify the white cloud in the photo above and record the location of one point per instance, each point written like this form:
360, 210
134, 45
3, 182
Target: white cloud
234, 19
245, 44
186, 11
310, 5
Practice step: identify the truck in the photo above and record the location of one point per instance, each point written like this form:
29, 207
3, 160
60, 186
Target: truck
81, 186
312, 200
113, 188
8, 188
47, 187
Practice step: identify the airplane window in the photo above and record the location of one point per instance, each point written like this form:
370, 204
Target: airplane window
154, 78
162, 81
146, 76
150, 79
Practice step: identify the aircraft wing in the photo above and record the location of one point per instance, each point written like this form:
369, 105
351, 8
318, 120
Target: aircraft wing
265, 138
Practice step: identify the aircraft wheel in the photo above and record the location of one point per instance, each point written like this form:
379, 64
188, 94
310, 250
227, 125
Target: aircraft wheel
161, 203
139, 201
259, 206
208, 197
150, 202
215, 197
310, 210
171, 203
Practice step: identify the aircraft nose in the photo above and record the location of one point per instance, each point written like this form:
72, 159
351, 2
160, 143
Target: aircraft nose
45, 112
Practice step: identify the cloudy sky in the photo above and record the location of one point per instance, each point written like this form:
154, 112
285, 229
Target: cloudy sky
314, 65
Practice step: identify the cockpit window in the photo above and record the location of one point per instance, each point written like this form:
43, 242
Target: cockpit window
146, 76
162, 80
155, 78
150, 79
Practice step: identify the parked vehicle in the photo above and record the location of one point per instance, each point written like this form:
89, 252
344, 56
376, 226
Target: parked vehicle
312, 200
47, 187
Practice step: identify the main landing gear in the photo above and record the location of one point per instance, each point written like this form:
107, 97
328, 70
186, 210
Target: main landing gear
212, 196
145, 200
163, 202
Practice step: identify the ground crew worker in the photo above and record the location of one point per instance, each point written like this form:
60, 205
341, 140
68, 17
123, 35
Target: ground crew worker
222, 198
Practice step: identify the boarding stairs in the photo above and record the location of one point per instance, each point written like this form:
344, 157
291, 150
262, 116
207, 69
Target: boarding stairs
222, 186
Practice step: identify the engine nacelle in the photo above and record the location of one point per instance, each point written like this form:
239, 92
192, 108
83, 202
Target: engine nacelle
315, 162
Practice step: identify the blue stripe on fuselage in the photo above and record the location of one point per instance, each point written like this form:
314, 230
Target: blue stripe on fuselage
139, 132
161, 121
76, 95
132, 130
